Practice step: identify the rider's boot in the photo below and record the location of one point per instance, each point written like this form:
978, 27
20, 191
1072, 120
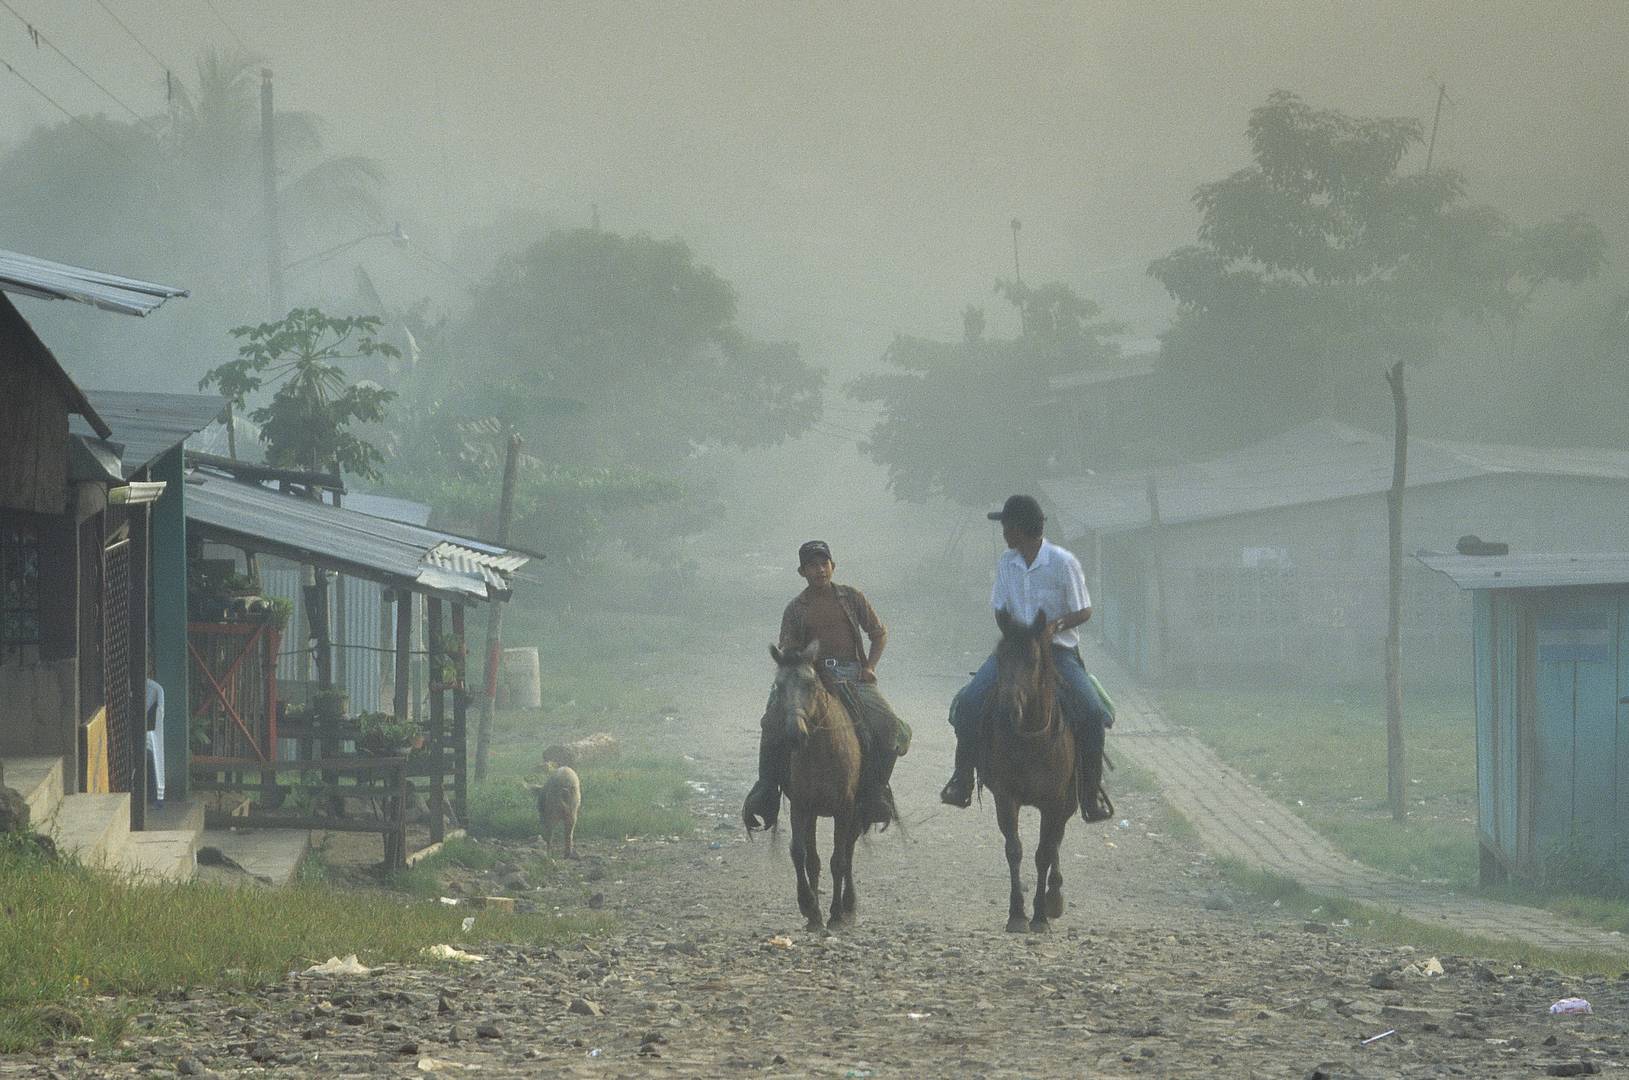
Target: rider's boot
959, 791
875, 796
1094, 800
763, 804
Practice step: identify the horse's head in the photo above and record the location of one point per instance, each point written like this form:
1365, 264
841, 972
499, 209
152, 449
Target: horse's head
1025, 687
797, 687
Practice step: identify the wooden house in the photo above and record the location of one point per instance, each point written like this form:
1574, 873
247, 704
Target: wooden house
1551, 678
1271, 561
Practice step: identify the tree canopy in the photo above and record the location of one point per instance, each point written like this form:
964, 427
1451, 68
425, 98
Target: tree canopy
970, 420
604, 350
1325, 260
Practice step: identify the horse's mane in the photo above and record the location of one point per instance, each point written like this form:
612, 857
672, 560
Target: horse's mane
1045, 699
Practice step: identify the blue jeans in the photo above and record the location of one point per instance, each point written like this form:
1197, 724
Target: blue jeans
1083, 709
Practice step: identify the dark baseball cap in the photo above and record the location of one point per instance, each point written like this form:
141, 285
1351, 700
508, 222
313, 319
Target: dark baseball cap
1020, 511
812, 550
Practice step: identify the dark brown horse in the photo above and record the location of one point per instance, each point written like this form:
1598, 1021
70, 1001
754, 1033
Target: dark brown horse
1029, 761
823, 780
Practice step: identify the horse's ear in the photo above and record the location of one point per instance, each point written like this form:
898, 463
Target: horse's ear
1039, 624
776, 655
810, 651
1003, 620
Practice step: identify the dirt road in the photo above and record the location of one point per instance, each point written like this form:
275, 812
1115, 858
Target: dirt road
1154, 969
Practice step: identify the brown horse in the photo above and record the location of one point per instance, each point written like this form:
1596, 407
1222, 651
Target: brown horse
823, 780
1029, 761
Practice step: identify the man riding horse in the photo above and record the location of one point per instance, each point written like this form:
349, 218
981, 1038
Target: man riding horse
841, 619
1035, 575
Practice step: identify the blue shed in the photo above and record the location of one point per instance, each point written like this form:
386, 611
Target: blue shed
1551, 637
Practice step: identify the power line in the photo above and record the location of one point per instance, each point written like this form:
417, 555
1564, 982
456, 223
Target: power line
162, 66
41, 39
58, 106
210, 4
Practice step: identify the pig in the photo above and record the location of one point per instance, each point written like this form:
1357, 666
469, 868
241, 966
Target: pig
558, 800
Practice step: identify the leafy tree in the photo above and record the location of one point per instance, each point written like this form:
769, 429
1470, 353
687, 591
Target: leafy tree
1323, 261
969, 420
640, 339
306, 424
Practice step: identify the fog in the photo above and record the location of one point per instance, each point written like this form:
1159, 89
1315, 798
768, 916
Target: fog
852, 171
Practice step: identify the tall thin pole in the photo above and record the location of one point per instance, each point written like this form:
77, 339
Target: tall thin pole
1018, 280
268, 169
1431, 147
494, 618
1395, 786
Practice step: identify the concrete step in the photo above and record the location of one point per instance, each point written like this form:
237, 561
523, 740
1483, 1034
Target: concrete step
160, 854
39, 779
177, 815
267, 856
92, 828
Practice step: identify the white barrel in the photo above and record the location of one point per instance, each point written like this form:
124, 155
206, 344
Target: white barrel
521, 679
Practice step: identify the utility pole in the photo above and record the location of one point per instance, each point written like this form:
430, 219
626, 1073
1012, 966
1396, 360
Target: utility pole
1395, 786
494, 618
268, 169
1431, 147
1018, 280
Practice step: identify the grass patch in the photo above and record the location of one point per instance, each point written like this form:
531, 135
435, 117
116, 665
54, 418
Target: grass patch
627, 796
71, 934
1375, 925
1325, 758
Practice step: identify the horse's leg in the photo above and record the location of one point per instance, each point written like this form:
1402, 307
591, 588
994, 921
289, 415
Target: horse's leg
1007, 819
845, 831
802, 858
811, 861
1048, 876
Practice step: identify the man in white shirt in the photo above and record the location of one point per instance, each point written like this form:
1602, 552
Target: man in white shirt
1033, 575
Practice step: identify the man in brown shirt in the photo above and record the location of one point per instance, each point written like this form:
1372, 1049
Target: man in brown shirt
842, 620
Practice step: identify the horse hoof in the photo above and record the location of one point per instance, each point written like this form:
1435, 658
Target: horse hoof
814, 924
1054, 905
1017, 925
1040, 926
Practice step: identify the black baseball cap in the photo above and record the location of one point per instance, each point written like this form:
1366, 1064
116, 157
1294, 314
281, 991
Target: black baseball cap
812, 550
1021, 512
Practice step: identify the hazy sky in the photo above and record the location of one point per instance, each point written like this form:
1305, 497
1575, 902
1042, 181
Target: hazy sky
852, 168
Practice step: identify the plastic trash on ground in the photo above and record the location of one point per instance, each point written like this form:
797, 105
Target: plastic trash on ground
336, 966
780, 942
450, 901
1571, 1007
469, 921
447, 952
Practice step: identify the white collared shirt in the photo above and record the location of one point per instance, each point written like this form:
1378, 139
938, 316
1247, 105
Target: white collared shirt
1054, 583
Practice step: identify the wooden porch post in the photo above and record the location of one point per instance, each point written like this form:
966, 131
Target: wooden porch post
404, 650
460, 718
436, 734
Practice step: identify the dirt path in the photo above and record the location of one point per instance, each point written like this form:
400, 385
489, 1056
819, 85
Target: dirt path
1153, 970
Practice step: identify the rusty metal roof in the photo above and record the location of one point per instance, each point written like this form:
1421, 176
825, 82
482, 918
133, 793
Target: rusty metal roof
347, 540
49, 280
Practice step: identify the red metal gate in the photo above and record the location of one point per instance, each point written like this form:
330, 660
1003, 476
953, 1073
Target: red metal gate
234, 692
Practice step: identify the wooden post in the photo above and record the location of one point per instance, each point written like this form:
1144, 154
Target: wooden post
136, 657
494, 619
460, 658
1395, 782
435, 732
404, 651
1157, 560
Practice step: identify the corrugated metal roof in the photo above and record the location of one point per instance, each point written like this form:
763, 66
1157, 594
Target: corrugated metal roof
1316, 462
48, 280
1097, 377
147, 425
1530, 571
388, 506
366, 545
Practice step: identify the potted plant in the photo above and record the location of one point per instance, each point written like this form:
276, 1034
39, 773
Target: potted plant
383, 733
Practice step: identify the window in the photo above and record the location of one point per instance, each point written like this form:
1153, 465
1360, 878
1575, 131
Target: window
19, 586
